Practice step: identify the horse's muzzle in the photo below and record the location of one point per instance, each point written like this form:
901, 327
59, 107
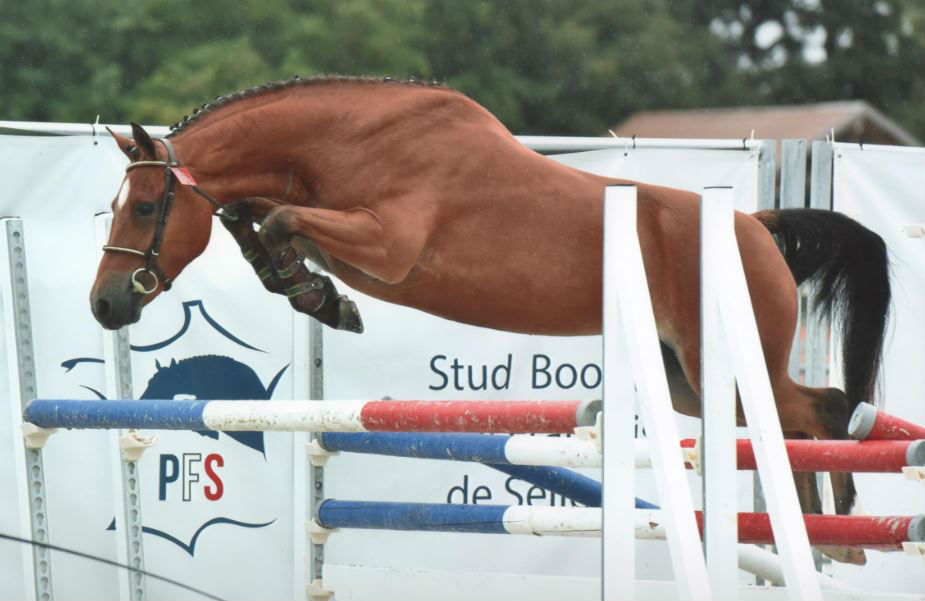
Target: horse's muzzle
114, 304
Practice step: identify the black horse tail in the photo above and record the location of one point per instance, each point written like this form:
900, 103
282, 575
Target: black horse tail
847, 267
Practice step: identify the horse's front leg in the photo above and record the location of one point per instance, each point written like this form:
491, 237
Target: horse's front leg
308, 292
286, 273
239, 218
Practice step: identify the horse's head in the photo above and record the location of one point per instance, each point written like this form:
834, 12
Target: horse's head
158, 227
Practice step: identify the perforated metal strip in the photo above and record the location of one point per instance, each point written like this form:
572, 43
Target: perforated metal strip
25, 354
131, 483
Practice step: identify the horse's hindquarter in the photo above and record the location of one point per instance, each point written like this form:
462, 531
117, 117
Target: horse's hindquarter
515, 243
519, 248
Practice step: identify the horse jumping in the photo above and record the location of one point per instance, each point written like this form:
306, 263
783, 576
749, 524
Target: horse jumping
415, 194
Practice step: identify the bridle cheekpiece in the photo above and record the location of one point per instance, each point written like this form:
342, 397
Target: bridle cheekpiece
173, 172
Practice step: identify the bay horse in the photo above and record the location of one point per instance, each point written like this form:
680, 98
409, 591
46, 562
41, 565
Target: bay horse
415, 194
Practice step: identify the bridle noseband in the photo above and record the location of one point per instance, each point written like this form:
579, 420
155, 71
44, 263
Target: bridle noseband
172, 173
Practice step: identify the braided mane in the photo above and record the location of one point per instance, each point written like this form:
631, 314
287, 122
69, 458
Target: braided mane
284, 84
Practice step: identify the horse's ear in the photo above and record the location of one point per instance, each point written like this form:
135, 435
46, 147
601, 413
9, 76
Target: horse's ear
125, 145
173, 363
143, 141
157, 364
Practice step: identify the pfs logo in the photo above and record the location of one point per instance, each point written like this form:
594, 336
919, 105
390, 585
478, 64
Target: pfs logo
203, 477
187, 470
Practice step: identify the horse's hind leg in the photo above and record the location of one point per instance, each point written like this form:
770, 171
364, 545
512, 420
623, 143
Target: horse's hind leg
683, 398
822, 413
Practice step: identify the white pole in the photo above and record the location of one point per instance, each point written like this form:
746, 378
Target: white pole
767, 565
643, 353
764, 424
718, 398
618, 543
580, 144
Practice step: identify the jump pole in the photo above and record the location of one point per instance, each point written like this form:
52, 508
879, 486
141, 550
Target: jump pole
548, 417
875, 456
508, 520
869, 423
877, 532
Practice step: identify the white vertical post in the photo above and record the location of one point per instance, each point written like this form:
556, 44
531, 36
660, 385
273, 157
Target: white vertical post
793, 196
618, 540
301, 503
819, 329
627, 303
315, 476
718, 402
763, 422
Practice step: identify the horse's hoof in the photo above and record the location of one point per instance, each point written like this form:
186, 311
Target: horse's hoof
853, 555
348, 316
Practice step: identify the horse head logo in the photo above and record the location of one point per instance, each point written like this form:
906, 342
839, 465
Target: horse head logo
212, 377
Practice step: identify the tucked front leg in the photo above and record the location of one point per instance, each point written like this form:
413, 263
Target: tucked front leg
239, 218
357, 237
310, 293
286, 273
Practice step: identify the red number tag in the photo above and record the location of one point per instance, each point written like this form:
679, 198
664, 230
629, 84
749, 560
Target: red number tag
183, 176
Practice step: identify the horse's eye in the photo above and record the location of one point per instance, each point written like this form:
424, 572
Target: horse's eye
144, 209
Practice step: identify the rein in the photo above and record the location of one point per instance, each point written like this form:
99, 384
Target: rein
173, 172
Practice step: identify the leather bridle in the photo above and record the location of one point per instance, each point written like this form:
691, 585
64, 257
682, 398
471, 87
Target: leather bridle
172, 172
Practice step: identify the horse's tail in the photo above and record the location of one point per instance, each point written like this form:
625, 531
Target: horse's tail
846, 264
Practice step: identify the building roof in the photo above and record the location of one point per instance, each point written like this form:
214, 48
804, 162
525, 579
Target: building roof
851, 121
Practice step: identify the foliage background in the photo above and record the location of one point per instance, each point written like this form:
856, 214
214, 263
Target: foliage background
543, 66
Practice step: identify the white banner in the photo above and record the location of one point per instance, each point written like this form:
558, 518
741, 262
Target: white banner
884, 188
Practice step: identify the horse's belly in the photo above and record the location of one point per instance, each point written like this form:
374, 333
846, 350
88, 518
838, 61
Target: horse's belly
492, 300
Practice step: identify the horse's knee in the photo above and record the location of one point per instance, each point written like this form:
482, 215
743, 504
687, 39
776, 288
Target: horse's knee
276, 229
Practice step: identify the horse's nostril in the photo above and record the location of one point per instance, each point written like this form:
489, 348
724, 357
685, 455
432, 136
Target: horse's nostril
103, 308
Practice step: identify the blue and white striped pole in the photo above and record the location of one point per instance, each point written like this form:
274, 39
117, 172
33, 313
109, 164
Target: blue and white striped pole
481, 519
481, 448
493, 451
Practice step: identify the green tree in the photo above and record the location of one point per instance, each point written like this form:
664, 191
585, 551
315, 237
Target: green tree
794, 51
542, 66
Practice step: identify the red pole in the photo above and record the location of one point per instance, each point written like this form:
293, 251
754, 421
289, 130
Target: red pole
881, 532
511, 417
869, 423
877, 456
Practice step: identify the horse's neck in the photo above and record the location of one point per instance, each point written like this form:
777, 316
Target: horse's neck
283, 150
